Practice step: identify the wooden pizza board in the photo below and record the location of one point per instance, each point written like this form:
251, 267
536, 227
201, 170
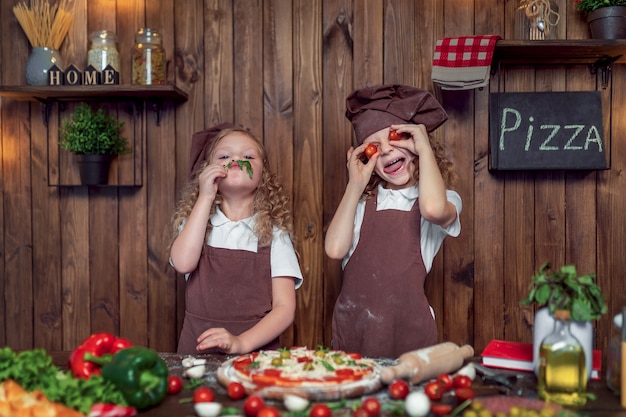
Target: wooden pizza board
329, 392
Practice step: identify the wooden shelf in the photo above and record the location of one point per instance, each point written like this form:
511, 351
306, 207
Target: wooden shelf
559, 52
94, 92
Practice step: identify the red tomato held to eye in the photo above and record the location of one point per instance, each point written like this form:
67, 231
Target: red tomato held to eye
394, 135
372, 406
174, 384
236, 391
203, 395
370, 150
445, 381
399, 389
253, 405
320, 410
441, 409
462, 381
268, 412
433, 391
463, 394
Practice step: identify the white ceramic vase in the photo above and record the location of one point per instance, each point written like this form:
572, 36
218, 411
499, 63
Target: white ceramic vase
544, 325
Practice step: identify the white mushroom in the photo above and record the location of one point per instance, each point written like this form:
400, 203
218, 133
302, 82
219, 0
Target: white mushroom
195, 372
468, 370
295, 403
417, 404
208, 409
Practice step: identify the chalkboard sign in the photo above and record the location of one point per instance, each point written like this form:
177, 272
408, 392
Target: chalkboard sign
554, 130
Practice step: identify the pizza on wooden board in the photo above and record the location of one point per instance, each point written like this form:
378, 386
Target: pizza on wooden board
317, 374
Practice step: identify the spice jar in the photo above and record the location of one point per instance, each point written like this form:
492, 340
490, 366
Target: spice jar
148, 58
103, 50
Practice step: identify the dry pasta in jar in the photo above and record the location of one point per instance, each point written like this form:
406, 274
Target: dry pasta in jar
148, 58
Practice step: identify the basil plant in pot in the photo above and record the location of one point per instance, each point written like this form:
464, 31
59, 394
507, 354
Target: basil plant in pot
606, 18
563, 289
95, 137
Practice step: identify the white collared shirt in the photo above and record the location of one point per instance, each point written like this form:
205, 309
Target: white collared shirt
239, 235
432, 235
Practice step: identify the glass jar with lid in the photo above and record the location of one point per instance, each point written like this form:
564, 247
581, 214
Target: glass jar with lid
103, 50
148, 58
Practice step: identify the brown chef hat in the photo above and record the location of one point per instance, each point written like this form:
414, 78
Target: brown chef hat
371, 109
201, 143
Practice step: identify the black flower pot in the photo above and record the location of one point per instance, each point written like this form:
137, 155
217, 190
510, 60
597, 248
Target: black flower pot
94, 169
608, 22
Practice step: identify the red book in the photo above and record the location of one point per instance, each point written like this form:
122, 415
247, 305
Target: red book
519, 357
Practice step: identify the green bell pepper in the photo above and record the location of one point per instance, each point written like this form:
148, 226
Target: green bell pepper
140, 374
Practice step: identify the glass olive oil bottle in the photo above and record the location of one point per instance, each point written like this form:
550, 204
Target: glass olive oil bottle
562, 372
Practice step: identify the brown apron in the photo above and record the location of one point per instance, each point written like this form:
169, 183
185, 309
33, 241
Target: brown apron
230, 289
382, 310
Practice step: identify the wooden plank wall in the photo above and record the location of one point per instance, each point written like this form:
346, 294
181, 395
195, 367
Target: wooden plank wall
76, 260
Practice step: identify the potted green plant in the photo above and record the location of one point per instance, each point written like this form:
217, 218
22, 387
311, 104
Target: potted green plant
606, 18
95, 137
564, 289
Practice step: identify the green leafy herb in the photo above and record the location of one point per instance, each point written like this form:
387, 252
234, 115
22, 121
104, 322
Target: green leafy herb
564, 289
327, 365
241, 164
194, 383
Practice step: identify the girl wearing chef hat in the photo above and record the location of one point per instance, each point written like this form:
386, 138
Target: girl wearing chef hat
391, 221
233, 240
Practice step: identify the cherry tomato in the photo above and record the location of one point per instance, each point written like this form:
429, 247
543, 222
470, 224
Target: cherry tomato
203, 395
253, 405
268, 411
445, 381
433, 390
441, 409
174, 384
394, 135
236, 391
320, 410
370, 150
462, 381
463, 394
372, 406
361, 412
399, 389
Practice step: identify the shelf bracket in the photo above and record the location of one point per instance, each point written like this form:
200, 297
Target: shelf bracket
604, 66
45, 111
157, 112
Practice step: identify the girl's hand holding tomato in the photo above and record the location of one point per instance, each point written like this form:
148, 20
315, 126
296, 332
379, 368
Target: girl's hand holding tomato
370, 150
395, 135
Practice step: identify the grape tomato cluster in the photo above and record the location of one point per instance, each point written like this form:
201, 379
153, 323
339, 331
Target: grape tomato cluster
460, 386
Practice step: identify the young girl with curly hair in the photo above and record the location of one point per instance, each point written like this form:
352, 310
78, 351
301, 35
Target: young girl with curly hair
233, 240
393, 217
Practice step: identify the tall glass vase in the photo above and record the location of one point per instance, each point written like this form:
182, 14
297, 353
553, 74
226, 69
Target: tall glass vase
39, 62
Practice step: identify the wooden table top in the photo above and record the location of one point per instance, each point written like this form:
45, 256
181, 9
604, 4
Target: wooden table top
607, 403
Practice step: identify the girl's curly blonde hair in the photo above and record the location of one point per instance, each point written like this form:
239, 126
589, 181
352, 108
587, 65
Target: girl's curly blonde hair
271, 204
445, 167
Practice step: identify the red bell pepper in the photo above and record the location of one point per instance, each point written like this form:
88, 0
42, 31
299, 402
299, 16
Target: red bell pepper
97, 346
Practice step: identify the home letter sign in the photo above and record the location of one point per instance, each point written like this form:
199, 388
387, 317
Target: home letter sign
555, 130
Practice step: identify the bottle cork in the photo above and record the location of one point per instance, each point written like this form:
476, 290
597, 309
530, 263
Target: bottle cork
426, 363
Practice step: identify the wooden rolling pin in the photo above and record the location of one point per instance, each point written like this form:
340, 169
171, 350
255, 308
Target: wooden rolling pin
427, 363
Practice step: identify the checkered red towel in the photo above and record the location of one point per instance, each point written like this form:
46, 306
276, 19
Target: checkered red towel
463, 63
